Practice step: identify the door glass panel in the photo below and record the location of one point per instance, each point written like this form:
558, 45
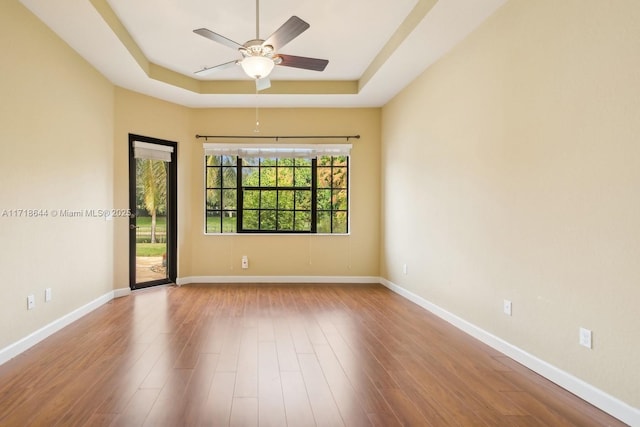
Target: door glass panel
151, 220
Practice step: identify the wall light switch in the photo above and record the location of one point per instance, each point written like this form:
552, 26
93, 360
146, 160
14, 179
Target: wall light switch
245, 262
31, 302
47, 295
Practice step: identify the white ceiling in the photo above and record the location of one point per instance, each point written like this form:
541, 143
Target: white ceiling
349, 33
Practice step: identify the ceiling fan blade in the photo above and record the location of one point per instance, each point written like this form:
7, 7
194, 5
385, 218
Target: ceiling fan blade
206, 71
263, 83
287, 32
303, 62
217, 38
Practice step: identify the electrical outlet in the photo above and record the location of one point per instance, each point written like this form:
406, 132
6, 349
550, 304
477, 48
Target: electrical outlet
47, 295
405, 269
245, 262
506, 307
31, 302
585, 337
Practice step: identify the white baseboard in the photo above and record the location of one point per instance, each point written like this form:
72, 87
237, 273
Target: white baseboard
121, 292
34, 338
598, 398
277, 279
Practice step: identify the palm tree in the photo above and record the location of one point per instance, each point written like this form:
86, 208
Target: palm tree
152, 178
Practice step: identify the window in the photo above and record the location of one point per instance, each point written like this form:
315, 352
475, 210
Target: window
282, 189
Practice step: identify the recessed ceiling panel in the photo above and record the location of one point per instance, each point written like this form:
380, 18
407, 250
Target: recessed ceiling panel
347, 33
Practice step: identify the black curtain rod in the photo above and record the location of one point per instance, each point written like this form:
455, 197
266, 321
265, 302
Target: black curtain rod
347, 137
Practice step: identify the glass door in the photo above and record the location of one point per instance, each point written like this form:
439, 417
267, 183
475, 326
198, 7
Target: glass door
152, 187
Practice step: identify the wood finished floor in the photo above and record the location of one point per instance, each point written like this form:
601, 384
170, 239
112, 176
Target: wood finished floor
249, 355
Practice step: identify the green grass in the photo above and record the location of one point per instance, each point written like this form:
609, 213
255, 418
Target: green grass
143, 234
150, 249
213, 224
144, 223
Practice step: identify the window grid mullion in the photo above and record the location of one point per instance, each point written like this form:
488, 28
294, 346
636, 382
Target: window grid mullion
239, 196
314, 195
277, 193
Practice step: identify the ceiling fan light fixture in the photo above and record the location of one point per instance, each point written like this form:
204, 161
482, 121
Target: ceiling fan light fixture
257, 67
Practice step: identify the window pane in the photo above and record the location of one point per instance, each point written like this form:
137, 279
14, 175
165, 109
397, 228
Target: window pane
340, 161
285, 177
302, 177
324, 161
250, 162
214, 177
324, 222
339, 222
229, 199
251, 199
229, 222
285, 162
303, 162
250, 219
267, 161
229, 177
268, 220
268, 177
340, 200
229, 160
285, 199
250, 177
303, 200
324, 200
324, 177
268, 199
213, 199
212, 160
303, 221
285, 220
340, 177
213, 222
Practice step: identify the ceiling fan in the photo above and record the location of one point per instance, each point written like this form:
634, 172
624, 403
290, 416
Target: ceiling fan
260, 56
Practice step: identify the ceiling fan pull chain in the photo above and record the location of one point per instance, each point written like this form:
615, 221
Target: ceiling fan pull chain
257, 19
257, 128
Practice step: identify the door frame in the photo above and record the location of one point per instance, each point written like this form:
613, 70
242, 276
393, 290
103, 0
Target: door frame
172, 213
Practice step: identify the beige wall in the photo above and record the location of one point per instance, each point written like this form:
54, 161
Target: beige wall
269, 255
293, 255
511, 171
56, 132
146, 116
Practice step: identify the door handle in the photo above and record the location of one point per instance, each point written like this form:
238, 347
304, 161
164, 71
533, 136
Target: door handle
133, 227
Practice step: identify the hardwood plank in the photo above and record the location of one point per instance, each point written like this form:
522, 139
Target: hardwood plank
230, 348
198, 388
247, 367
271, 409
137, 409
168, 409
405, 409
296, 400
343, 392
244, 412
217, 410
325, 411
100, 420
287, 356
